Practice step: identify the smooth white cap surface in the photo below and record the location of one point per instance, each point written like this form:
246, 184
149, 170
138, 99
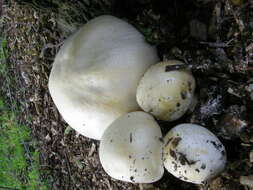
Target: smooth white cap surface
96, 72
166, 94
131, 149
194, 154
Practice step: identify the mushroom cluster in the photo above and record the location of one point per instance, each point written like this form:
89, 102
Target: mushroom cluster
101, 79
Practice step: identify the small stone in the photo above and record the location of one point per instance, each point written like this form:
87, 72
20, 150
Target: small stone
251, 156
247, 180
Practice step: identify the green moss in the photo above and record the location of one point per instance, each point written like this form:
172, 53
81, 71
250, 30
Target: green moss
3, 54
18, 171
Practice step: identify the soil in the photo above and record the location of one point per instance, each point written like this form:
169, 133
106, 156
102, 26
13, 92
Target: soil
213, 38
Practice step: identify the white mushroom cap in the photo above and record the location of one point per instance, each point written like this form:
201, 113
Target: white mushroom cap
131, 149
194, 154
95, 74
166, 94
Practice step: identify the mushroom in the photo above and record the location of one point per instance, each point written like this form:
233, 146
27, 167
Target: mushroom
166, 93
96, 72
131, 149
193, 154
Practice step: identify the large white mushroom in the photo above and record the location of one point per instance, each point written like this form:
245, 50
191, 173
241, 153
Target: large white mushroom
131, 149
194, 154
166, 93
96, 72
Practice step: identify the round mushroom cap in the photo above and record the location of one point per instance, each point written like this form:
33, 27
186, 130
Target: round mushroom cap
166, 93
96, 72
131, 149
193, 154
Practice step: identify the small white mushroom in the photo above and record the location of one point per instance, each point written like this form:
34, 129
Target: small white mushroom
131, 149
194, 154
166, 93
95, 74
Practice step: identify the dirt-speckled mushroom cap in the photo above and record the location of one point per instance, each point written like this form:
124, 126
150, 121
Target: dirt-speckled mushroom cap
165, 93
131, 149
193, 154
96, 72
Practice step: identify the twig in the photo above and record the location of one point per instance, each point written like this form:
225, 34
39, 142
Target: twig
49, 46
236, 17
68, 166
178, 67
215, 44
2, 187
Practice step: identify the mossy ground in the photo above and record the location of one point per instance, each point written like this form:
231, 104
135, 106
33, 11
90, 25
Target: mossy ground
19, 156
19, 159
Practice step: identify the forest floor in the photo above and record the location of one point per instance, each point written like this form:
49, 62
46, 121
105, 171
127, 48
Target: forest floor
213, 38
